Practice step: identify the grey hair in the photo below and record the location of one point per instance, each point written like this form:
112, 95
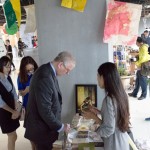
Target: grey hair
64, 57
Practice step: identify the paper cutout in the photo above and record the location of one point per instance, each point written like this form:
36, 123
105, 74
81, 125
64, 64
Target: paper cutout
12, 30
122, 22
66, 3
17, 9
9, 13
77, 5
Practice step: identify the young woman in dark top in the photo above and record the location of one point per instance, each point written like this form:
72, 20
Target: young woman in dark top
9, 116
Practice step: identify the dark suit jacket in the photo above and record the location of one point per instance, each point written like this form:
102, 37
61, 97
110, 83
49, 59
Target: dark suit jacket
43, 114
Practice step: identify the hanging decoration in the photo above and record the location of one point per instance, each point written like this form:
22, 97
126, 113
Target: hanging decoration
122, 23
12, 30
77, 5
17, 9
12, 11
31, 20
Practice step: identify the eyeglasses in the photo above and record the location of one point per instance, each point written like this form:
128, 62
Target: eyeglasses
67, 69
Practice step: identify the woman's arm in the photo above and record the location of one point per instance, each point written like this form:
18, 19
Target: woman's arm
91, 115
24, 92
3, 105
108, 125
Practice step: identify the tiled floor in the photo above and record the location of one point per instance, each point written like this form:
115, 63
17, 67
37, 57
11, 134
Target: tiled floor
139, 111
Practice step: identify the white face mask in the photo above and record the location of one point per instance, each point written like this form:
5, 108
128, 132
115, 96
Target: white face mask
30, 73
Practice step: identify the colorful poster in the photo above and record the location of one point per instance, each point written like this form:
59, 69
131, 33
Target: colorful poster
66, 3
77, 5
122, 23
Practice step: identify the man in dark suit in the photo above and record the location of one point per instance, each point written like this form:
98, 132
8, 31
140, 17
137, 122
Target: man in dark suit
43, 114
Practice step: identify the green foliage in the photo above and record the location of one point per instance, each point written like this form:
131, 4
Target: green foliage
122, 71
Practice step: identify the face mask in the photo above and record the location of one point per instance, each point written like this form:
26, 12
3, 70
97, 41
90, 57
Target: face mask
30, 73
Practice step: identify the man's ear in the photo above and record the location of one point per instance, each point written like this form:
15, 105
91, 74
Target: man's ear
59, 64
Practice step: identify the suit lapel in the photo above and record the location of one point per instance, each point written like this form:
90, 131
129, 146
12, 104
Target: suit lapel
56, 83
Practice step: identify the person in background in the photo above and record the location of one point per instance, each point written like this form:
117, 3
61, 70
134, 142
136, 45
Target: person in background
35, 44
43, 112
115, 109
9, 53
32, 41
20, 47
9, 116
141, 81
27, 67
145, 37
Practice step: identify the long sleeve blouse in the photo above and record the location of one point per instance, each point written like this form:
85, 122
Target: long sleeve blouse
8, 87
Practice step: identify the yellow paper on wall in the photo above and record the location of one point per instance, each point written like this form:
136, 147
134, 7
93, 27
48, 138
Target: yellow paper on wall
66, 3
79, 5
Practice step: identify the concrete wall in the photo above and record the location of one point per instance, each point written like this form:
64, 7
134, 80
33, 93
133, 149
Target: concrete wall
141, 25
60, 29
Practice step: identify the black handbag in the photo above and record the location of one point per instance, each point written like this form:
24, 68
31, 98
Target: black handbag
145, 68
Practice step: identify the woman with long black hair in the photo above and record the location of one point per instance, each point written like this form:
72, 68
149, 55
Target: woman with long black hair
115, 109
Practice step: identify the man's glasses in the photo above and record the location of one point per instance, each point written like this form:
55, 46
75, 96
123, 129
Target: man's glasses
67, 69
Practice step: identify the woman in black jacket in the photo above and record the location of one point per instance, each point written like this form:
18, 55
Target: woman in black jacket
9, 116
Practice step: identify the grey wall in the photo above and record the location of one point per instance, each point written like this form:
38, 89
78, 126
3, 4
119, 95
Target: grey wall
141, 25
61, 29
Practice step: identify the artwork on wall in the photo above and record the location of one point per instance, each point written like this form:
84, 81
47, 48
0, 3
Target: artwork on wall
86, 94
122, 23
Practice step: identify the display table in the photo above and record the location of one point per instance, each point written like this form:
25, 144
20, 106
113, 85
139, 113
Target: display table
74, 143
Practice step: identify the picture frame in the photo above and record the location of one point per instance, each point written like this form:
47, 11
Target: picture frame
86, 94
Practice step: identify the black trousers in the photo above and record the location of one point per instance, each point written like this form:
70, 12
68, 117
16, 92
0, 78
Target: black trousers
47, 145
43, 146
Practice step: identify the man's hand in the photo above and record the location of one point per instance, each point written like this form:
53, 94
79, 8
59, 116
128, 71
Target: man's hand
67, 128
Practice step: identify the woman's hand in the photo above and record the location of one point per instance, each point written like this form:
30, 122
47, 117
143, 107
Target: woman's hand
91, 115
15, 114
94, 110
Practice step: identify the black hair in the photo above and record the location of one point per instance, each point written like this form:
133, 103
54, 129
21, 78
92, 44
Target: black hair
4, 60
22, 71
146, 31
114, 89
139, 40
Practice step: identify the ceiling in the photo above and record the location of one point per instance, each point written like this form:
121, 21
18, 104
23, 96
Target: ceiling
145, 10
23, 12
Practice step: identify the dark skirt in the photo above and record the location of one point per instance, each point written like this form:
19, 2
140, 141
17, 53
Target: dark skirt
7, 124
